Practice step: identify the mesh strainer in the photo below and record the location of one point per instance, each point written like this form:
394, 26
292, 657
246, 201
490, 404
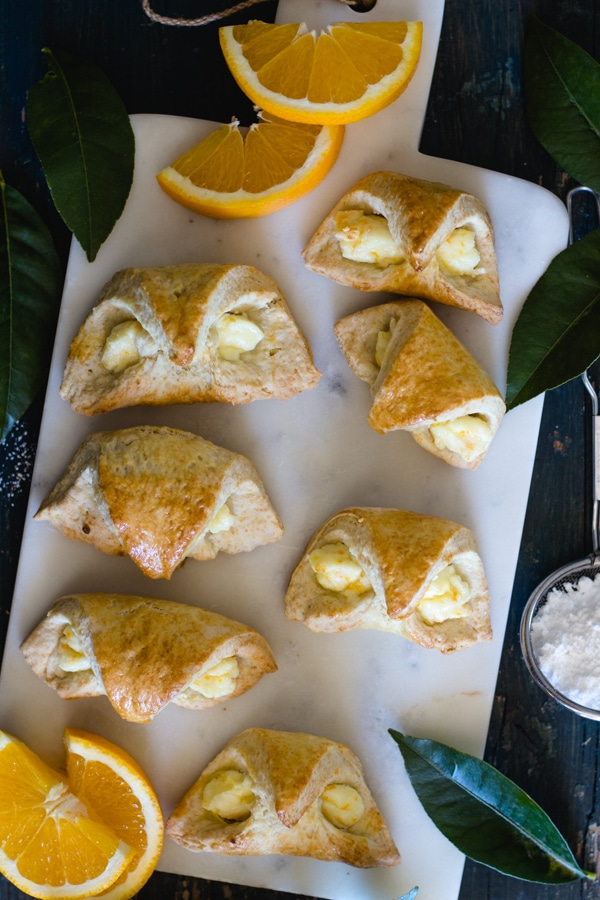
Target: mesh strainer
571, 574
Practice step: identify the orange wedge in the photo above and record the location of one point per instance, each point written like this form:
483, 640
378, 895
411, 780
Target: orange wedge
344, 74
113, 785
229, 175
51, 844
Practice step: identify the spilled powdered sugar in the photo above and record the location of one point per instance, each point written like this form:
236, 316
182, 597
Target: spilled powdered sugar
17, 455
565, 636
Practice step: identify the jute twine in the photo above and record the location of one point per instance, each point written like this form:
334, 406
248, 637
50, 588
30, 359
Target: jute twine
213, 17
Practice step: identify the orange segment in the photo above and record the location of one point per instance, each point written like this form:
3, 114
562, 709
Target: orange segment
344, 74
258, 51
111, 783
51, 844
216, 161
373, 55
229, 175
289, 71
326, 86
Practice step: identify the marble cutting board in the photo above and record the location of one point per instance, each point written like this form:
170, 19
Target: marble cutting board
316, 455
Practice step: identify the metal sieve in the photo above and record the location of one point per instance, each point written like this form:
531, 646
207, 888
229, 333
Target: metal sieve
570, 574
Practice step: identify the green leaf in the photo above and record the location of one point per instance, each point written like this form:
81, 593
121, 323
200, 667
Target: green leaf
83, 137
562, 101
30, 285
485, 815
555, 337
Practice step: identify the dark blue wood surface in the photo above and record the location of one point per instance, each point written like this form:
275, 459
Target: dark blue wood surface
475, 115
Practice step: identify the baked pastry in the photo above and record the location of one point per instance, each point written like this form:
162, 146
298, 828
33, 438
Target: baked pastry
144, 653
423, 380
393, 570
160, 495
284, 792
187, 334
417, 238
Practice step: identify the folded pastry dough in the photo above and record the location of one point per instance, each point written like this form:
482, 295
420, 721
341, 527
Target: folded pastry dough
423, 380
186, 334
144, 653
160, 495
284, 792
395, 233
393, 570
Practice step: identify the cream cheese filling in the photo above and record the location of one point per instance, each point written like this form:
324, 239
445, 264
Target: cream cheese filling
446, 597
365, 237
342, 805
236, 334
468, 436
71, 655
223, 520
218, 681
229, 794
127, 343
459, 254
337, 570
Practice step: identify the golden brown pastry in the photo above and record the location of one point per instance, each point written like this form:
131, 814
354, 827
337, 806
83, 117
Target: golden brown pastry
422, 380
160, 495
417, 238
393, 570
284, 792
144, 653
187, 334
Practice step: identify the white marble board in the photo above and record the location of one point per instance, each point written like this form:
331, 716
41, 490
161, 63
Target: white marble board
316, 455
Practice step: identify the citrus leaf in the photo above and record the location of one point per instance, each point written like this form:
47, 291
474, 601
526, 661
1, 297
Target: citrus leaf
555, 337
30, 284
83, 137
561, 85
485, 815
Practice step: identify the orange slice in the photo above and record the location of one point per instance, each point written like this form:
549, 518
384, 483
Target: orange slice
51, 844
111, 783
344, 74
229, 175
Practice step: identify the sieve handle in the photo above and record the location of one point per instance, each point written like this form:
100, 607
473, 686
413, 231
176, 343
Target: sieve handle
592, 195
595, 458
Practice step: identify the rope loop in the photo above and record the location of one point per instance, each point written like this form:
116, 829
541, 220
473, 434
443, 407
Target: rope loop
202, 20
358, 5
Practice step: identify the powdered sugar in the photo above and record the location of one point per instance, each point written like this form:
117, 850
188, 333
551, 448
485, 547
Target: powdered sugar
565, 636
17, 455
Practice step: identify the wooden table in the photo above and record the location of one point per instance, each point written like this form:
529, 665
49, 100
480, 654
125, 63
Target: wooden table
475, 115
